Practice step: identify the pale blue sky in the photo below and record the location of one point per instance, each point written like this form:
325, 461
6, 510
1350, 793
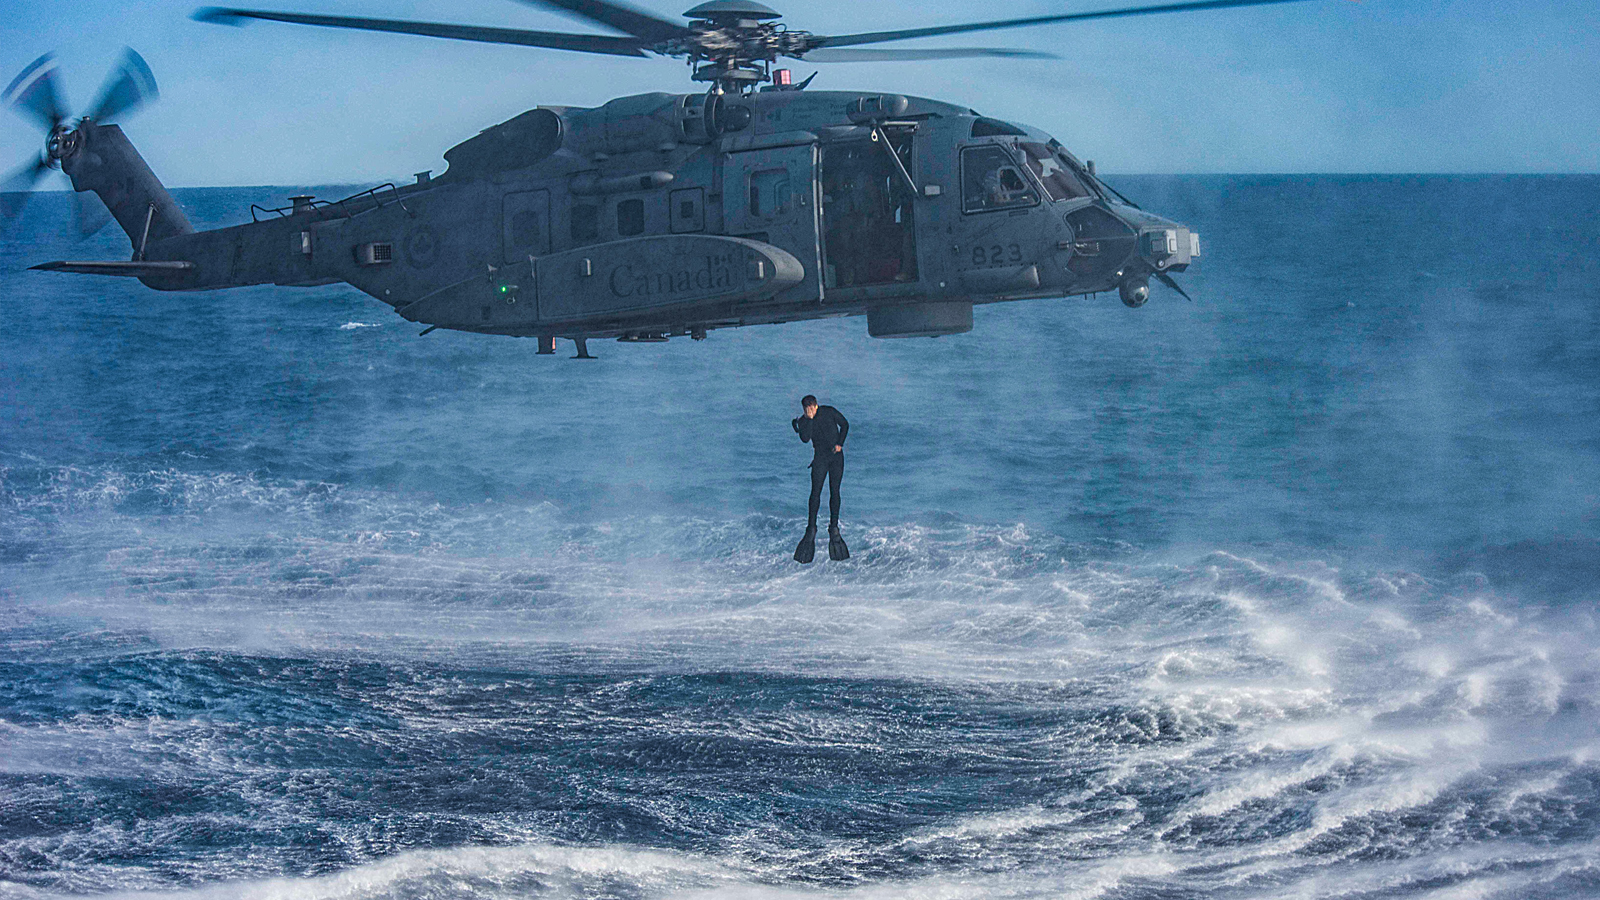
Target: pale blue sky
1321, 86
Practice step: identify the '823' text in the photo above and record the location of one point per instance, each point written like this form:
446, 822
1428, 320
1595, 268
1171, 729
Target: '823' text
997, 255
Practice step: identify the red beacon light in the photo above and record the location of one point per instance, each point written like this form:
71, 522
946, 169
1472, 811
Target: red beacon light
782, 78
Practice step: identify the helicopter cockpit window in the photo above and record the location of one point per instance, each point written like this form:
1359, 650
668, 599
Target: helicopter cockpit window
1058, 180
990, 180
986, 127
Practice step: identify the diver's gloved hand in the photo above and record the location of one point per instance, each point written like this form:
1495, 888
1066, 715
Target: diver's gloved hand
795, 424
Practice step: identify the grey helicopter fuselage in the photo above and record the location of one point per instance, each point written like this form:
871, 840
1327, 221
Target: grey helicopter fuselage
672, 214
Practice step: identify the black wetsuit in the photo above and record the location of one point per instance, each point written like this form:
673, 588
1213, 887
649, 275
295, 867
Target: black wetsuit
824, 431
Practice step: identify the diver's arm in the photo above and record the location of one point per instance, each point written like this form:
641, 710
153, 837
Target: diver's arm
844, 426
802, 426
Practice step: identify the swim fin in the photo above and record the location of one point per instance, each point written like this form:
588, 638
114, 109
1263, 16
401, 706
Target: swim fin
836, 547
807, 548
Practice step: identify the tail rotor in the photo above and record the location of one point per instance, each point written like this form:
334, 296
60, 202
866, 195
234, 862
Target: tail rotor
129, 86
15, 191
89, 215
36, 95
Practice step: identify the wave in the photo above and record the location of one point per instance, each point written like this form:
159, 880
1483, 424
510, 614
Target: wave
217, 684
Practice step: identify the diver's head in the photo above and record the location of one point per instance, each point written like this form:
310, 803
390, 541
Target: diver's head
808, 403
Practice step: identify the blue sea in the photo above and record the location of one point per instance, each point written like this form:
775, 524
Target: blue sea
1287, 592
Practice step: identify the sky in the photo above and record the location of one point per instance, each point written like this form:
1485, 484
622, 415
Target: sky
1327, 86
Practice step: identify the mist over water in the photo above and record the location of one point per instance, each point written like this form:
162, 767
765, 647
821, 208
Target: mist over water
1287, 592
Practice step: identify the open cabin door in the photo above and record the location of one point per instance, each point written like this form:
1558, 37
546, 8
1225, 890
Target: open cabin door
770, 195
868, 214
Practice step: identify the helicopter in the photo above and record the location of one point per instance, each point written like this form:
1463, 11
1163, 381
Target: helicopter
659, 215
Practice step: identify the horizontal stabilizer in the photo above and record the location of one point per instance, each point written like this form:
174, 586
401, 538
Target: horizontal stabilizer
135, 268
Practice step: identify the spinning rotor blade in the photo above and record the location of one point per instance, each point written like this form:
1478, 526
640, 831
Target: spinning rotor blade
829, 54
583, 43
129, 86
625, 19
35, 95
845, 40
88, 213
16, 190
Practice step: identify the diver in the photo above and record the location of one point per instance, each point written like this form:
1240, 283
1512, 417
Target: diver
824, 428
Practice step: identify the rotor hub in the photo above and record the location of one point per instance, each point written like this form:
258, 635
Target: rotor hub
717, 10
62, 142
734, 43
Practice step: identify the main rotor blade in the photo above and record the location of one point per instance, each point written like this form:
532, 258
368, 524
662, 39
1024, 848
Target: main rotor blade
623, 18
829, 54
129, 86
583, 43
35, 95
874, 37
15, 191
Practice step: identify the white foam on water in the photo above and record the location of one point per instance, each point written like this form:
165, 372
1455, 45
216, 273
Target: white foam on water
524, 871
1339, 705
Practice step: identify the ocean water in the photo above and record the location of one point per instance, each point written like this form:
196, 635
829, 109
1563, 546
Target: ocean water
1287, 592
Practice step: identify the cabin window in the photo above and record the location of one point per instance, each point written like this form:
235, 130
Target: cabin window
688, 210
630, 217
769, 192
1058, 180
585, 223
991, 180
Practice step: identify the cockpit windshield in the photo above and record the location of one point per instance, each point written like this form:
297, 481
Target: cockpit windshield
1054, 171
